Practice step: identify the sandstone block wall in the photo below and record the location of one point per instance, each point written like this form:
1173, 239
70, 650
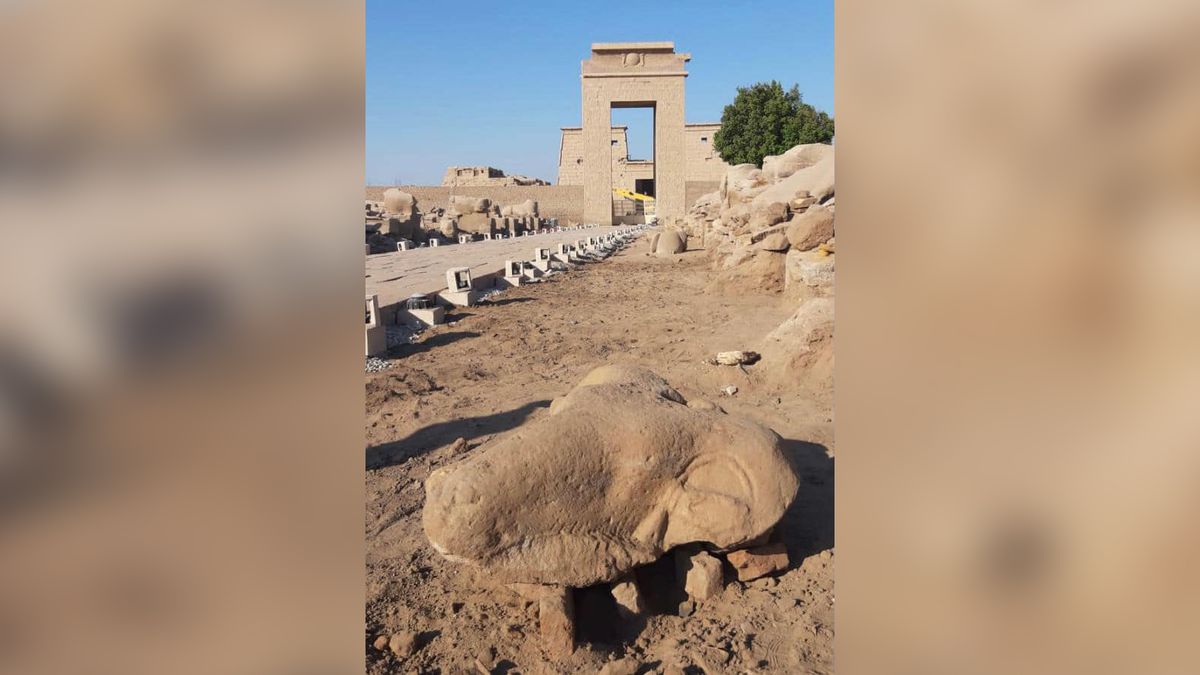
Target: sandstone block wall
697, 188
564, 202
703, 162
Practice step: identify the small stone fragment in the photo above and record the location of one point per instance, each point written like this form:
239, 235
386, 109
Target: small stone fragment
629, 599
753, 563
403, 644
703, 576
730, 390
380, 643
556, 619
620, 667
686, 608
736, 358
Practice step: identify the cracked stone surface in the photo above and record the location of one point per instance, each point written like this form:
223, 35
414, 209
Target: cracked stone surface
621, 471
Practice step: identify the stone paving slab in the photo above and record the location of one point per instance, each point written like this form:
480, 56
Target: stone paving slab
396, 276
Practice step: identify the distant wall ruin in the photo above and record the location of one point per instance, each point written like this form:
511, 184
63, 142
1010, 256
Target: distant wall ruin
564, 202
485, 176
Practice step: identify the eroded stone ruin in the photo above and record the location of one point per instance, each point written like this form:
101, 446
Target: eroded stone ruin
399, 218
622, 471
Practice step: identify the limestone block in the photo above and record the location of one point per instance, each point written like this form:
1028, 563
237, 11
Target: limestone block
767, 215
556, 621
810, 229
629, 599
800, 349
741, 183
776, 241
816, 180
478, 223
702, 574
626, 472
758, 562
752, 269
778, 167
809, 269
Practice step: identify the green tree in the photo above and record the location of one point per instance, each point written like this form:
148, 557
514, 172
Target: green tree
765, 120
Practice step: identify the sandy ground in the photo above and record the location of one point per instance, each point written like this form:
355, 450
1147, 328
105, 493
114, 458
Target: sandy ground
499, 366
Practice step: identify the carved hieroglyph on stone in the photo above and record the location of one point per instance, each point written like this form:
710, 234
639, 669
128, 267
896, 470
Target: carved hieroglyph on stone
618, 473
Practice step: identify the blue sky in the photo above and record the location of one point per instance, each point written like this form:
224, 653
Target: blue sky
490, 83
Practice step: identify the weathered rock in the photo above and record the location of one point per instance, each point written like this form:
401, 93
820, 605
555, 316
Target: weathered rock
704, 404
736, 358
817, 180
812, 270
629, 599
778, 167
475, 223
810, 229
397, 202
526, 209
625, 471
380, 643
767, 215
449, 228
757, 562
752, 270
403, 644
654, 241
670, 242
801, 201
556, 621
776, 241
461, 205
729, 390
405, 228
621, 667
534, 592
702, 573
740, 184
800, 350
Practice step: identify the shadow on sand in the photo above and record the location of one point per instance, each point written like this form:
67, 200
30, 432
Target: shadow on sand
442, 433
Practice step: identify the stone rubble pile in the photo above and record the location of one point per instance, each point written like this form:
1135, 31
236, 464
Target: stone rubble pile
771, 229
397, 219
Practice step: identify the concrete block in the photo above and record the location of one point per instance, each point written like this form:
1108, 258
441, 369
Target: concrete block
459, 279
458, 298
376, 334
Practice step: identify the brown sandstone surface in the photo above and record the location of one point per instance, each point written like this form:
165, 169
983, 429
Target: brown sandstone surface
499, 367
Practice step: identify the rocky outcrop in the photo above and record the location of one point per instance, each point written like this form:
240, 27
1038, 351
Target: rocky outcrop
800, 350
618, 473
754, 227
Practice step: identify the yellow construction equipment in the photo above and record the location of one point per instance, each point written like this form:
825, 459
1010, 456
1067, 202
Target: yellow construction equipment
627, 194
